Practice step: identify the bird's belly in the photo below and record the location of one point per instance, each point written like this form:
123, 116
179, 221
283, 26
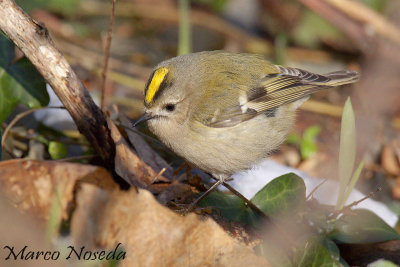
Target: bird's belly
224, 151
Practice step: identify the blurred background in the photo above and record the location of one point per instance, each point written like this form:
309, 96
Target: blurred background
317, 35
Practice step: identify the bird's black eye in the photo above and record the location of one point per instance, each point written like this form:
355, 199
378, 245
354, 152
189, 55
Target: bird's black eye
170, 107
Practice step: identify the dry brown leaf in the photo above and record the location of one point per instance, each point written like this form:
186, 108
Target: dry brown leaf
145, 152
85, 218
177, 192
153, 235
18, 231
30, 184
396, 189
389, 160
128, 165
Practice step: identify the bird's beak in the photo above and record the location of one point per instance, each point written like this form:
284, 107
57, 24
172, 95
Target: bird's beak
143, 118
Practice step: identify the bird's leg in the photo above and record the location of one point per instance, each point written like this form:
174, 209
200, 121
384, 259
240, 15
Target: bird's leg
248, 202
196, 201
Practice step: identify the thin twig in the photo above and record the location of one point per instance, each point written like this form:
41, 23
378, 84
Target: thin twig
78, 158
158, 175
371, 194
14, 121
323, 108
261, 213
315, 189
248, 202
107, 54
348, 207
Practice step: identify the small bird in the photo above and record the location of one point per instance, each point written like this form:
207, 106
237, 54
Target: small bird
225, 112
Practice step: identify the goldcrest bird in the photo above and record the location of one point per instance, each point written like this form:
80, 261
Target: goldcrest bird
224, 112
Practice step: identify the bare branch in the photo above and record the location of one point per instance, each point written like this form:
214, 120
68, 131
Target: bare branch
34, 41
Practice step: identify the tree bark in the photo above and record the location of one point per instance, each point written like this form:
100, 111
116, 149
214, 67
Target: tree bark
34, 41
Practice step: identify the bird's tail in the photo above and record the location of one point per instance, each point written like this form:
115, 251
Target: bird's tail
341, 77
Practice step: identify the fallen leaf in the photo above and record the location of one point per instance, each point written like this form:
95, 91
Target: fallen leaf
153, 235
128, 165
389, 160
31, 184
145, 152
396, 189
15, 230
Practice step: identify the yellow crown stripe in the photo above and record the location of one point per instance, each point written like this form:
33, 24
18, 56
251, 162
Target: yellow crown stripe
155, 83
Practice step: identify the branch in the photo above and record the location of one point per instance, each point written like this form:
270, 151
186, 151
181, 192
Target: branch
363, 254
359, 11
352, 29
34, 41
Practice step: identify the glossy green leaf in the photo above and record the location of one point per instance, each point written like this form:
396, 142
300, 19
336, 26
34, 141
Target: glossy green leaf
312, 253
20, 82
284, 194
57, 150
230, 207
6, 50
362, 226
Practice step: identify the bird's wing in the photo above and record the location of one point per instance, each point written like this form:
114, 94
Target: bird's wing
274, 90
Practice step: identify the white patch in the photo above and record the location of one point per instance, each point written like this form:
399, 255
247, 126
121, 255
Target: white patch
47, 53
216, 114
61, 71
242, 103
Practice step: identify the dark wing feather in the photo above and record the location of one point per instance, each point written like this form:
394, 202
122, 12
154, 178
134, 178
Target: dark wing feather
278, 89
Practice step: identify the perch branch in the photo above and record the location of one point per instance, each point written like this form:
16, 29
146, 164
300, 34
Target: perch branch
34, 41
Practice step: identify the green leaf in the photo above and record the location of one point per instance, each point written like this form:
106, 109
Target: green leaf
57, 150
293, 139
332, 248
352, 183
382, 263
274, 253
230, 207
284, 194
347, 151
311, 133
280, 196
32, 82
362, 226
6, 50
315, 254
307, 149
20, 82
